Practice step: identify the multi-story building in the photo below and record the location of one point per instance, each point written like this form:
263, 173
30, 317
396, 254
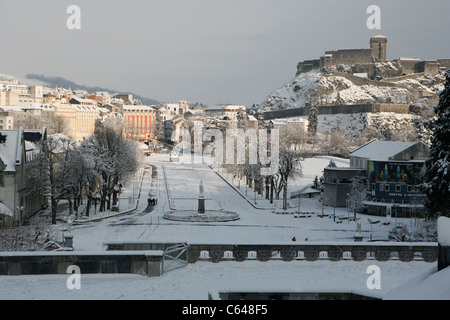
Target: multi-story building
337, 184
12, 93
86, 117
36, 93
6, 121
285, 126
139, 122
57, 95
232, 111
172, 110
68, 114
82, 101
79, 120
102, 97
17, 199
394, 173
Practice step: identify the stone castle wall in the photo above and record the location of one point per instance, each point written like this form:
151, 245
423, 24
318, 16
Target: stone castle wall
366, 59
348, 57
339, 109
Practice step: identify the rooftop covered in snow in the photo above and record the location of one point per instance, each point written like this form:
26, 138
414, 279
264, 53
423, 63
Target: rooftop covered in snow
383, 150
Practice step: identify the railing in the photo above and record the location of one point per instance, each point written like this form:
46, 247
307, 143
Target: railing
312, 252
175, 257
379, 251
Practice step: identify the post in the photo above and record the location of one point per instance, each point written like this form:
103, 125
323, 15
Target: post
68, 241
201, 200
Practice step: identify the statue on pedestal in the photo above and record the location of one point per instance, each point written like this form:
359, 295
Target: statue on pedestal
202, 190
201, 199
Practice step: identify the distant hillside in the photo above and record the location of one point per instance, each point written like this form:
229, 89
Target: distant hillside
318, 87
61, 82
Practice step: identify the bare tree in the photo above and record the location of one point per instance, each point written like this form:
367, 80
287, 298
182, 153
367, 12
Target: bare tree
336, 142
357, 193
51, 173
288, 168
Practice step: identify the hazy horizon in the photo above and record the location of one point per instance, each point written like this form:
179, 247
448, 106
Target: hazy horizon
207, 51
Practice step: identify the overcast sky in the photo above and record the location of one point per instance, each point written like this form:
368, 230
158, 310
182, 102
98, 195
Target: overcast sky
209, 51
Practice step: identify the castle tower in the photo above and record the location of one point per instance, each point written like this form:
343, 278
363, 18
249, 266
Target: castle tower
378, 44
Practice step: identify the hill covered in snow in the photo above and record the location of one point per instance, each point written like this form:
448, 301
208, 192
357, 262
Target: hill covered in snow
339, 86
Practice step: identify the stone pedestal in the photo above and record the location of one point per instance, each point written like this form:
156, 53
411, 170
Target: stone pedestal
201, 205
68, 241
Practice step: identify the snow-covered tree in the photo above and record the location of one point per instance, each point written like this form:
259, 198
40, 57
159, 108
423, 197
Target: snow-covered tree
357, 193
437, 182
336, 142
51, 174
115, 161
332, 164
288, 168
313, 120
318, 184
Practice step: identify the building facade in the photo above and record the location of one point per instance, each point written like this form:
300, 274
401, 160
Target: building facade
394, 173
337, 184
139, 122
79, 120
393, 188
18, 148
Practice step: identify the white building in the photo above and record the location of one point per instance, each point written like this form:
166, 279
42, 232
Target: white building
387, 151
231, 111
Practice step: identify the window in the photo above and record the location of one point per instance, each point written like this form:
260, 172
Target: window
398, 188
410, 188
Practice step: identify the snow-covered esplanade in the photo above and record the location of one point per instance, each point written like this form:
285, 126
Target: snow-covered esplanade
134, 254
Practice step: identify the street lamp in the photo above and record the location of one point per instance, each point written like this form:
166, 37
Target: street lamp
20, 210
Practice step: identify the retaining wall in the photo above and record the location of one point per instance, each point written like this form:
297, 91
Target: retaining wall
339, 109
37, 263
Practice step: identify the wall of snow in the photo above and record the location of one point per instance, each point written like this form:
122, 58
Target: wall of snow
443, 229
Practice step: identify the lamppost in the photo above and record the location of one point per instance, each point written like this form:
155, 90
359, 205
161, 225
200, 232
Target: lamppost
20, 210
348, 212
395, 209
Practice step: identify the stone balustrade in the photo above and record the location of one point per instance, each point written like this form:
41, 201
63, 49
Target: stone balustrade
309, 252
379, 251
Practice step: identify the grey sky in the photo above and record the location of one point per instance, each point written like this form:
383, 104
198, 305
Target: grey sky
210, 51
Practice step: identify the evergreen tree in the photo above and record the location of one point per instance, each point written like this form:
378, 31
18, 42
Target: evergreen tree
332, 164
317, 184
437, 182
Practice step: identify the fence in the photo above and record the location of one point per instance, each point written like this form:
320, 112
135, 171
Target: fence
405, 253
308, 252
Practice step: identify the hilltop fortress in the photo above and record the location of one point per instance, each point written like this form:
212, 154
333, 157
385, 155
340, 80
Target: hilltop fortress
372, 62
356, 88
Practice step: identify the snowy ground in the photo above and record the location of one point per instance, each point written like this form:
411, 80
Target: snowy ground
254, 226
195, 281
177, 186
